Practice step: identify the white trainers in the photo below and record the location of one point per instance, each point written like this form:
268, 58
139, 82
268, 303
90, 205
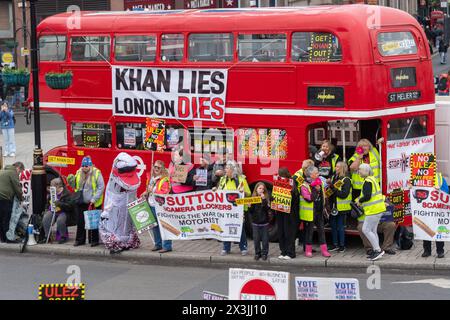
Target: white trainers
223, 253
244, 252
287, 258
281, 257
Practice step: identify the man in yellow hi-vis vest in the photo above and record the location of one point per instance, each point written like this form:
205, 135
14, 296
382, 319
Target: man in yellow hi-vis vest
372, 201
89, 182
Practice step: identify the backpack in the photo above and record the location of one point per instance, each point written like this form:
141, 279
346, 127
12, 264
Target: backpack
442, 84
405, 238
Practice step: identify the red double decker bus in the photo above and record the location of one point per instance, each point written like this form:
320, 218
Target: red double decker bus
266, 85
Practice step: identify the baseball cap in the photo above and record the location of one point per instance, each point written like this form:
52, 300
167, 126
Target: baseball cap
87, 161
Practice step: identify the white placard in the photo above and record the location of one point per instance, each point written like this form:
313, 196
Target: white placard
248, 284
308, 288
183, 94
398, 164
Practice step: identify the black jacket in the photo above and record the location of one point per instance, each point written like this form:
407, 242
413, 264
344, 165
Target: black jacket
67, 204
259, 213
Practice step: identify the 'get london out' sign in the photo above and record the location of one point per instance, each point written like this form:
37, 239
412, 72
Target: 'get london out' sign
184, 94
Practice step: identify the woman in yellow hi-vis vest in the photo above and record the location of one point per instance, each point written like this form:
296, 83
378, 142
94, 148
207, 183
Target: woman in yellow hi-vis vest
365, 153
372, 201
89, 181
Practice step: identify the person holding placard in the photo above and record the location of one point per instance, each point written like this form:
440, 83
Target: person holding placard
232, 180
181, 174
158, 184
341, 185
259, 215
203, 174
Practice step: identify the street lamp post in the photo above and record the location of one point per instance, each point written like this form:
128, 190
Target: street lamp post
38, 178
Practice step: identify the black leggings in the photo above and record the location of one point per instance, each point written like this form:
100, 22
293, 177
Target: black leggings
309, 229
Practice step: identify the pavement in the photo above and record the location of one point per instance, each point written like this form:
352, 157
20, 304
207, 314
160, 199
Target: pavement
207, 252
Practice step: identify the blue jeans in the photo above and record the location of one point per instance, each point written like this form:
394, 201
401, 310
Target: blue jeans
337, 224
166, 244
9, 141
242, 242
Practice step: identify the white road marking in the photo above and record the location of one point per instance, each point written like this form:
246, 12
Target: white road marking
440, 283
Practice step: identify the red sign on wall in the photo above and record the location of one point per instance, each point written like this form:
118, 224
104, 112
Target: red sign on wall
140, 5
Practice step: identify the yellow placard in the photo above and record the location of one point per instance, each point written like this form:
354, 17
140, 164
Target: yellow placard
7, 57
251, 200
61, 160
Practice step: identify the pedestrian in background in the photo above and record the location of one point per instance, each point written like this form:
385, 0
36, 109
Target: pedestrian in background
260, 218
7, 123
9, 187
89, 183
443, 48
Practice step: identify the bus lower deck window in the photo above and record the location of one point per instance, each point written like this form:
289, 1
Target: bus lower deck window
407, 128
135, 48
52, 48
91, 135
263, 143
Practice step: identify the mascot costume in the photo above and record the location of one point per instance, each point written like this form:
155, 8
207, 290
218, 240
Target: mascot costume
116, 228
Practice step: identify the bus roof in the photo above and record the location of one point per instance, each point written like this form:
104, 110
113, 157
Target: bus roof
341, 18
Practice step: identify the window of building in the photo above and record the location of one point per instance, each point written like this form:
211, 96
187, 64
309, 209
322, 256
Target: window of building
262, 47
132, 136
87, 48
172, 47
52, 48
315, 47
135, 48
407, 128
91, 135
211, 47
262, 143
396, 43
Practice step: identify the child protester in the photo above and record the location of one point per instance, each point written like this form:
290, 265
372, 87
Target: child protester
259, 216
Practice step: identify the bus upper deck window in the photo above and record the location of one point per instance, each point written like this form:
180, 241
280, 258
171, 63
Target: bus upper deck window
172, 47
211, 47
86, 48
52, 48
91, 135
396, 43
135, 48
315, 47
262, 47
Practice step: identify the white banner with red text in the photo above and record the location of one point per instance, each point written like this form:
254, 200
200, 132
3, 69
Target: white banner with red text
183, 94
398, 163
200, 215
430, 210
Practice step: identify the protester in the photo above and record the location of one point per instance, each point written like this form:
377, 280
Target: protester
204, 174
159, 184
232, 180
260, 216
9, 188
340, 203
440, 183
443, 84
89, 183
116, 228
177, 160
372, 201
287, 223
325, 160
7, 124
365, 153
312, 204
218, 167
300, 173
65, 212
386, 227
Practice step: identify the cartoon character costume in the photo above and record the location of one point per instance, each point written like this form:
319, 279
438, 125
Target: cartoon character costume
116, 228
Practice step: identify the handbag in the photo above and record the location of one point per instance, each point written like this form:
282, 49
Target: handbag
91, 218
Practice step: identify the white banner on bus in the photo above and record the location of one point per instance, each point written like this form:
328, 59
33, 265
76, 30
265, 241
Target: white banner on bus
200, 215
183, 94
398, 153
431, 214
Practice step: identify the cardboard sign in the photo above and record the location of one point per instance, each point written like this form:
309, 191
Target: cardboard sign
423, 169
200, 215
431, 214
169, 93
281, 194
64, 291
141, 215
248, 284
397, 198
180, 173
307, 288
251, 200
154, 133
129, 137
